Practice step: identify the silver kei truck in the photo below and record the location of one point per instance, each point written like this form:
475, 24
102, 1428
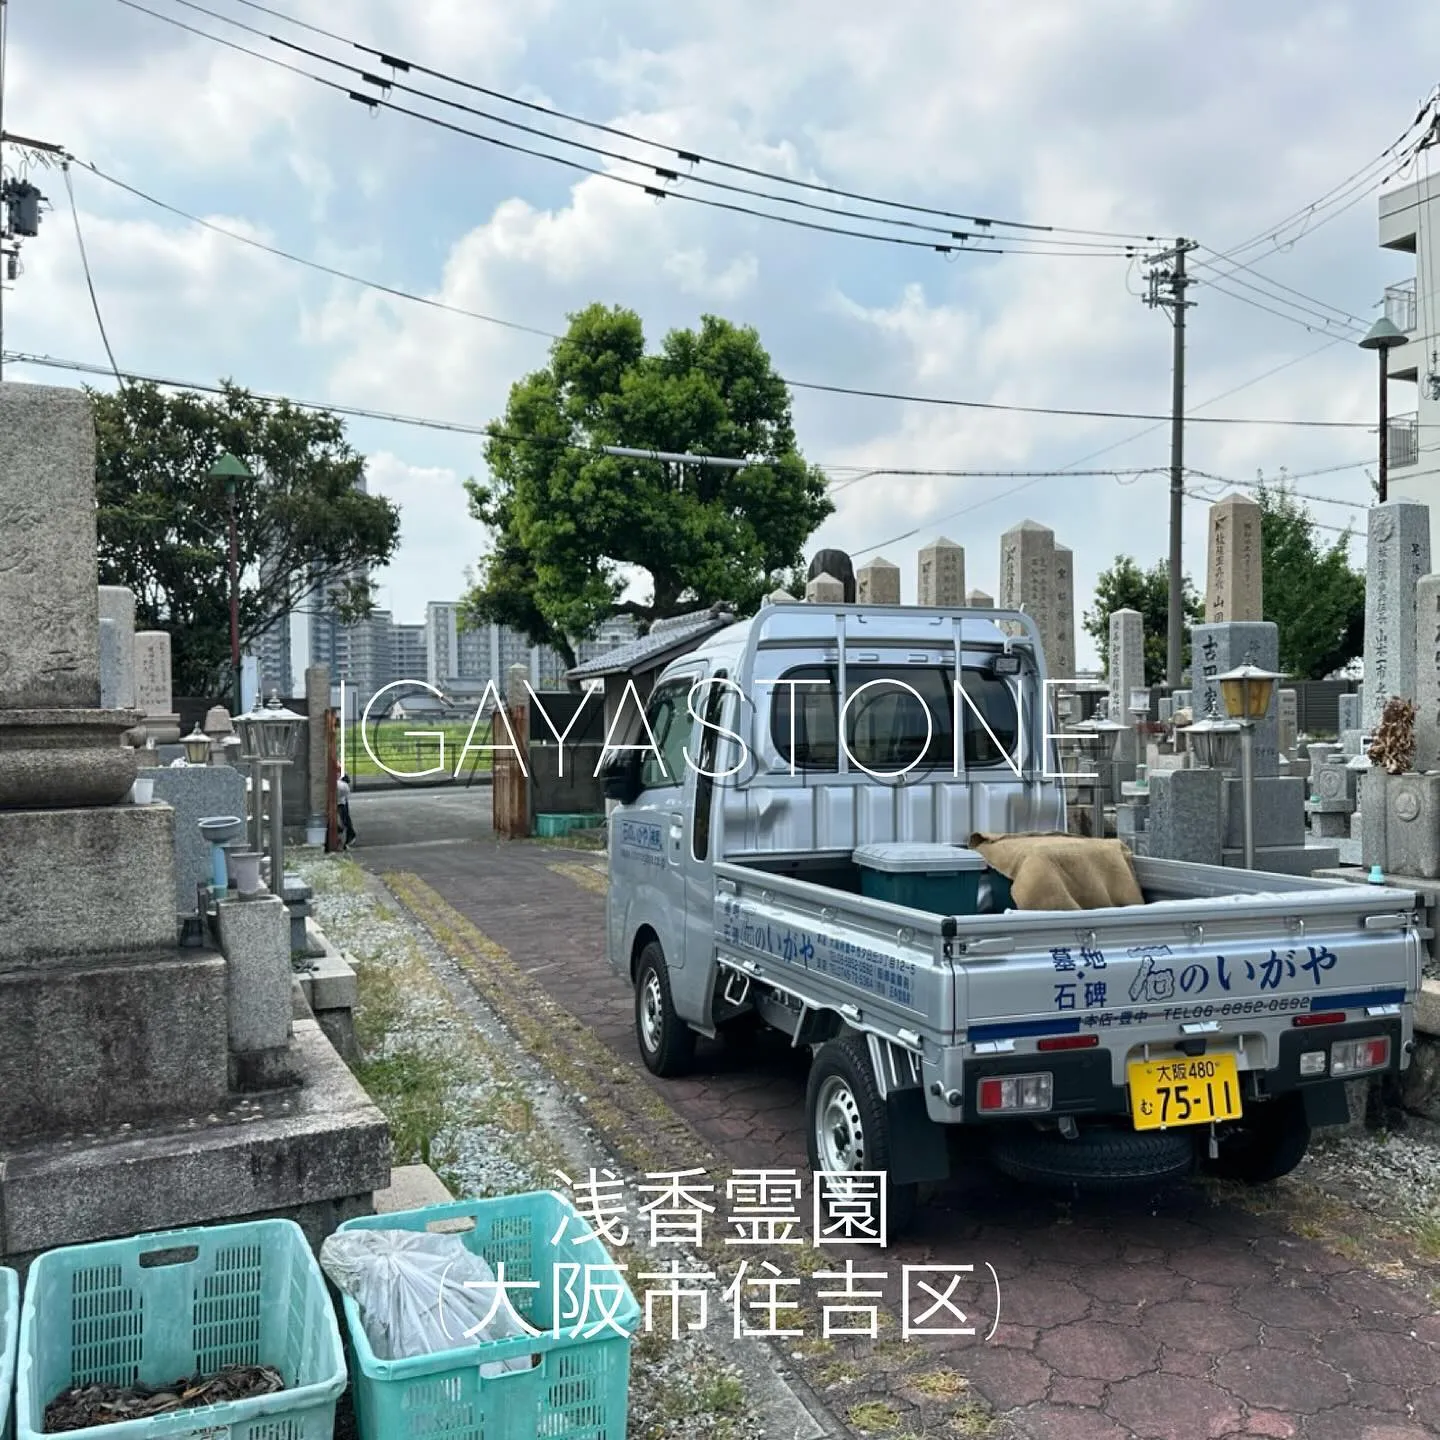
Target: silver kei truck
753, 863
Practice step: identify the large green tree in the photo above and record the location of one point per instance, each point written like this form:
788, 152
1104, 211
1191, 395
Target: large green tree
302, 522
1125, 586
1312, 594
567, 520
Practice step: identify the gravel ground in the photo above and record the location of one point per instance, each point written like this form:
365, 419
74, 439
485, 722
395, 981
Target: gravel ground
491, 1124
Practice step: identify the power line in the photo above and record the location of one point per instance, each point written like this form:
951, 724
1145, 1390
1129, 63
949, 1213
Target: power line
685, 156
817, 386
669, 176
89, 279
1235, 265
1330, 321
654, 192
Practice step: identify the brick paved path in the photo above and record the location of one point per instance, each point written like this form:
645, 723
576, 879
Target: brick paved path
1166, 1318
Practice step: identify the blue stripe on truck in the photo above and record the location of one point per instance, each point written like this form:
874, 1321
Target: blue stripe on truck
1357, 1000
978, 1034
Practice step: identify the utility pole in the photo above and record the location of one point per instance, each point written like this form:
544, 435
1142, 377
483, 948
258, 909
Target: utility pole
1168, 283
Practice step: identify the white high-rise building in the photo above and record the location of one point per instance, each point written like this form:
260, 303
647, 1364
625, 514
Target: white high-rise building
1410, 224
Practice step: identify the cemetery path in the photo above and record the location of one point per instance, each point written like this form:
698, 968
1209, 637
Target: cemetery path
1172, 1317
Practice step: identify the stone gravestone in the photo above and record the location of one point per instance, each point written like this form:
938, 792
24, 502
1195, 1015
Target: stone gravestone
153, 686
878, 583
110, 677
1218, 648
941, 575
1398, 557
979, 600
1427, 673
117, 604
1127, 672
1062, 659
825, 590
1234, 584
1027, 581
1349, 713
109, 1027
1289, 715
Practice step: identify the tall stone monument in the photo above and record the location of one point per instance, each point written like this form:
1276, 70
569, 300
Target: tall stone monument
1398, 558
1214, 649
940, 579
1037, 576
1126, 674
1234, 582
153, 686
1427, 674
878, 583
144, 1085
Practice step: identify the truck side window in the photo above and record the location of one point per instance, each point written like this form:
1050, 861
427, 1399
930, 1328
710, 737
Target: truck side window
670, 723
886, 725
708, 703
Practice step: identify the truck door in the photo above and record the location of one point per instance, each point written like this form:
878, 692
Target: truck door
650, 841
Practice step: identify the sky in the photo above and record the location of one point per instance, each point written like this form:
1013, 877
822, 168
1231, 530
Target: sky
1210, 119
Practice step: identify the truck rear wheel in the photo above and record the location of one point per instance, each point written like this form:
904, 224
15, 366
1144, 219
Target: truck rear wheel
848, 1128
667, 1043
1268, 1141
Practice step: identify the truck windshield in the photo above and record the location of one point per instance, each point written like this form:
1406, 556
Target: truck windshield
886, 719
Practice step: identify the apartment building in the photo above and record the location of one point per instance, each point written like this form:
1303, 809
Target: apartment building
1410, 224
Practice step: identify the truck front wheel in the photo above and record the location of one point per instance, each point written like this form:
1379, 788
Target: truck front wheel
849, 1130
1268, 1141
667, 1043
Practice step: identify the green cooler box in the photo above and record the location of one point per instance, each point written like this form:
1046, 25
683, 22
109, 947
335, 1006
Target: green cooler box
939, 879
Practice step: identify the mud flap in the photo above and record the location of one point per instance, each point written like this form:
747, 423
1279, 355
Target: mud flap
919, 1149
1326, 1104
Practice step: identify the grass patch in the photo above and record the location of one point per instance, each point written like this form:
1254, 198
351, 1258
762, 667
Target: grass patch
412, 1088
874, 1417
941, 1384
1427, 1237
585, 876
972, 1420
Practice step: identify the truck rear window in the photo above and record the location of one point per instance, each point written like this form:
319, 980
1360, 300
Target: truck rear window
886, 724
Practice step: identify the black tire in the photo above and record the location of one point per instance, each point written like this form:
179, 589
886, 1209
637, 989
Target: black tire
1098, 1158
843, 1082
667, 1043
1268, 1141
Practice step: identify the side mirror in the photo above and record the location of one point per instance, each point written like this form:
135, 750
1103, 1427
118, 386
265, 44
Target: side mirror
620, 775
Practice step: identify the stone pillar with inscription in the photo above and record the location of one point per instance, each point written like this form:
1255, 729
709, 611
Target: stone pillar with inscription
1234, 581
941, 575
153, 687
1398, 557
1427, 674
1214, 649
1126, 673
979, 600
878, 583
1062, 659
1027, 580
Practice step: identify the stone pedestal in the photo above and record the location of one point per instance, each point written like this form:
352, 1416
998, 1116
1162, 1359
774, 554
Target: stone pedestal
117, 1107
1185, 816
1412, 824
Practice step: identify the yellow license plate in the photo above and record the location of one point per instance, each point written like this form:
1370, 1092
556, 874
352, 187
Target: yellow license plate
1182, 1091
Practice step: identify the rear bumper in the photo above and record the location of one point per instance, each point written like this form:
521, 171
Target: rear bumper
1083, 1084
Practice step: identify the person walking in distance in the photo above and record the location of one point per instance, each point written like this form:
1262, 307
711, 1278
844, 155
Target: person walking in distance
342, 809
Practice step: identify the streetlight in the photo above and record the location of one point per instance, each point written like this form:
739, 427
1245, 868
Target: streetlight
270, 733
1247, 691
1384, 335
231, 471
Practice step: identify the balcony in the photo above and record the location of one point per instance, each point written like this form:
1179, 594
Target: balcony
1400, 309
1403, 440
1400, 306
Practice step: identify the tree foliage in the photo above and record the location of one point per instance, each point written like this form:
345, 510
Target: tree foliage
1125, 586
1311, 592
566, 520
302, 522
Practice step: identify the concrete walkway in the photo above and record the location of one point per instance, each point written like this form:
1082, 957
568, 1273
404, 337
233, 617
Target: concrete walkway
1167, 1318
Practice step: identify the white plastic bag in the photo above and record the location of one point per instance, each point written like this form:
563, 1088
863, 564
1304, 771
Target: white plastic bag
419, 1293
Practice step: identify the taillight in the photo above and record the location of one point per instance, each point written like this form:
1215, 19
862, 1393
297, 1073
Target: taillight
1001, 1093
1328, 1017
1353, 1057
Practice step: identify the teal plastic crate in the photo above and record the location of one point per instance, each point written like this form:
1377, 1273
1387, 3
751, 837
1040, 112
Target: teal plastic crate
152, 1308
9, 1339
579, 1386
939, 879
